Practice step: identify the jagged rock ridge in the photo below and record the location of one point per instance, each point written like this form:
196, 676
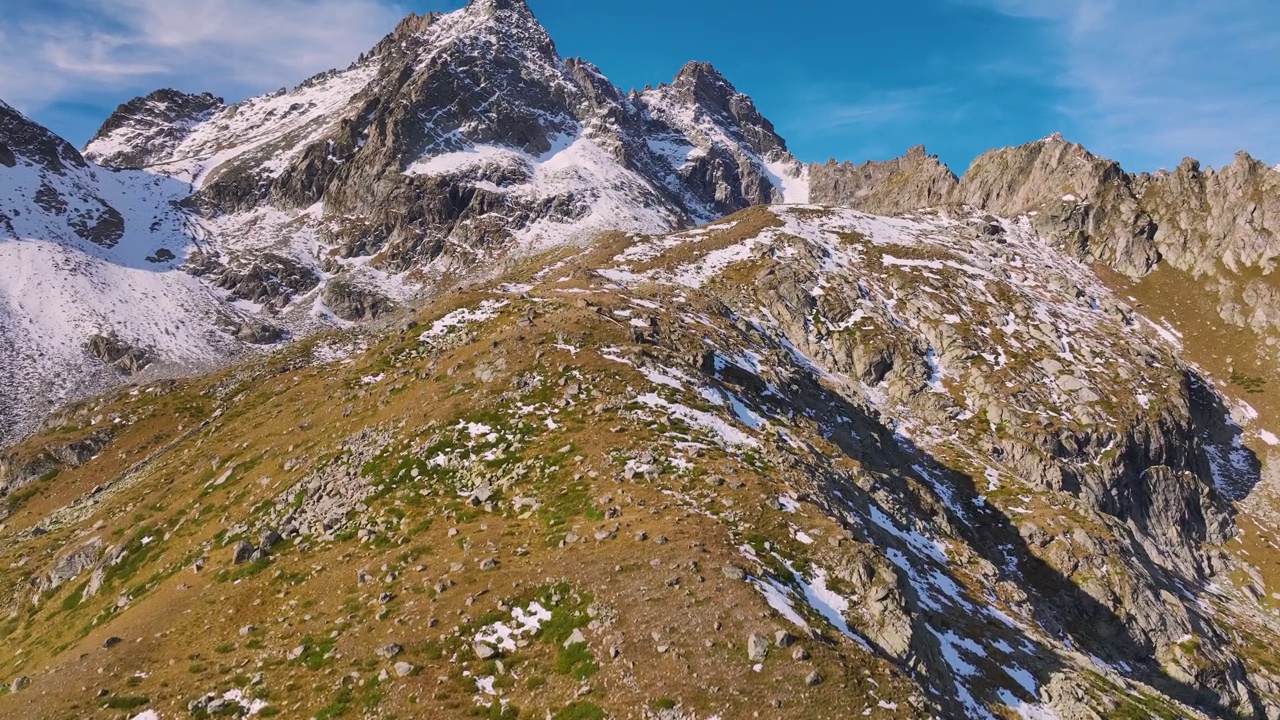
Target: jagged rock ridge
1215, 225
458, 131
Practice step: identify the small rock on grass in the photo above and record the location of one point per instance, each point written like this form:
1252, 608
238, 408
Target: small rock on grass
242, 552
757, 647
576, 638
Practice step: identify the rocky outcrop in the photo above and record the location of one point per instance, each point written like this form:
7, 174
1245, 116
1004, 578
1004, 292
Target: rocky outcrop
18, 470
1085, 204
118, 353
268, 279
915, 180
74, 562
352, 301
1209, 219
145, 129
1219, 226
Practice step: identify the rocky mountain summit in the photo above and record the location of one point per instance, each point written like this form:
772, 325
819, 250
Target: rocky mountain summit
460, 133
458, 140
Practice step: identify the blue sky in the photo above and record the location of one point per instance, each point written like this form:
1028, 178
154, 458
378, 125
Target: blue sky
1143, 81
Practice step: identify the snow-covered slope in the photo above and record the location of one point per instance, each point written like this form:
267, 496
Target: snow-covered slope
90, 287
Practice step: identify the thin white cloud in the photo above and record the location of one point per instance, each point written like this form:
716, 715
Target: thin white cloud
840, 111
1154, 80
66, 49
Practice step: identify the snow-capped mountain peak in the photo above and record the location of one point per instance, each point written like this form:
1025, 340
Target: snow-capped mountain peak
457, 139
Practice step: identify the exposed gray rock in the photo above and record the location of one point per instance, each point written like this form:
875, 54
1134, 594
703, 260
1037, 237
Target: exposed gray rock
269, 279
757, 647
352, 301
70, 565
915, 180
118, 353
387, 652
242, 552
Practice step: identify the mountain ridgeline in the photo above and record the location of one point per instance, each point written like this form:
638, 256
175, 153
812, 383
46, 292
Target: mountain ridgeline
460, 382
1217, 225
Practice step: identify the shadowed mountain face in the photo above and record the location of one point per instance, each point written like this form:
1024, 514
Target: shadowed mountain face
573, 406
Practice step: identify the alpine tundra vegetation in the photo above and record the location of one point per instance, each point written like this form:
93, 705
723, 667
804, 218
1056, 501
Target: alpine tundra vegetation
461, 383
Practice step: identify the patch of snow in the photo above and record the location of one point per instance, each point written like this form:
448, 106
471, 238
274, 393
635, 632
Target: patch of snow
707, 422
524, 621
791, 179
487, 310
778, 597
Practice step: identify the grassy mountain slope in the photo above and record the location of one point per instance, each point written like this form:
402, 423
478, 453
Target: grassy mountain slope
800, 463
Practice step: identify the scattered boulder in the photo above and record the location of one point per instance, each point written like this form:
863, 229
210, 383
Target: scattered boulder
734, 573
268, 539
485, 651
242, 552
757, 647
575, 638
386, 652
